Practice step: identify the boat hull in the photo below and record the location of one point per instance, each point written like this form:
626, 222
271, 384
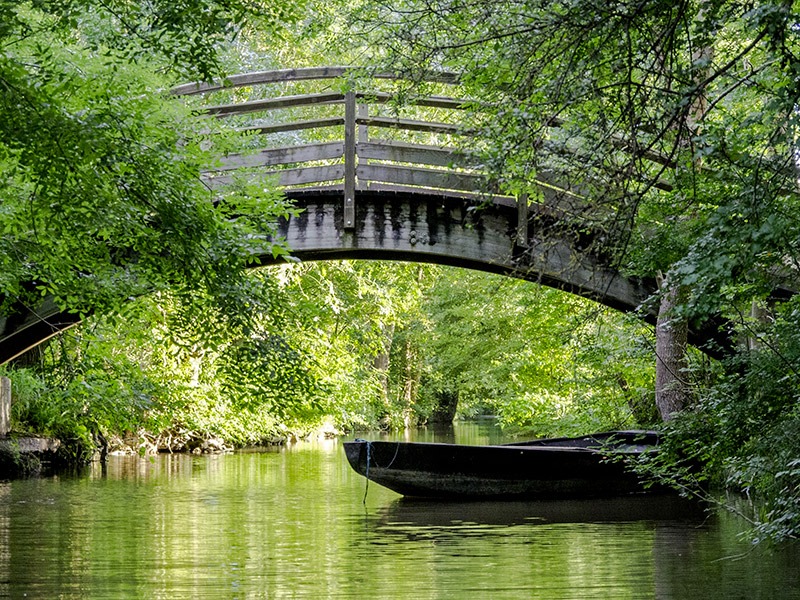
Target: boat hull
520, 471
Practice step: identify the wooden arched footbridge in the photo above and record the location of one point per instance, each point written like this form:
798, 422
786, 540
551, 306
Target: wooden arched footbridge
371, 184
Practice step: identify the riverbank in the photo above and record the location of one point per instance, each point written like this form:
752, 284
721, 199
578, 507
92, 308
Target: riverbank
27, 456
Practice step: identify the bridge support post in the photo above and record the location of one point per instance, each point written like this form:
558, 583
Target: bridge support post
349, 161
5, 406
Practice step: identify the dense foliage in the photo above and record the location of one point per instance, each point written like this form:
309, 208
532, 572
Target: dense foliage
153, 378
340, 346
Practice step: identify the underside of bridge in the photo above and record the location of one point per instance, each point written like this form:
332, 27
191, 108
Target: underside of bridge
438, 228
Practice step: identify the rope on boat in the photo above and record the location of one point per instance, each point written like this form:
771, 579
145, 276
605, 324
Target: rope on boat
396, 451
366, 472
369, 459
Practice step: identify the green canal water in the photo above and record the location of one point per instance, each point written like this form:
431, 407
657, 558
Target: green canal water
291, 523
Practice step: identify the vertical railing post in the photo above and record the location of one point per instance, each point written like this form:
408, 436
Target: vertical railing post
522, 220
349, 160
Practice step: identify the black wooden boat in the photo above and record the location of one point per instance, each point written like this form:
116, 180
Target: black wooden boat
588, 466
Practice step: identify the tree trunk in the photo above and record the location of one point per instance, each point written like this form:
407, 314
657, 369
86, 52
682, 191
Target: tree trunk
671, 360
5, 406
381, 363
672, 332
410, 382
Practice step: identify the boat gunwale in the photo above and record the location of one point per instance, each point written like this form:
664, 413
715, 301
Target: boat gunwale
577, 449
550, 444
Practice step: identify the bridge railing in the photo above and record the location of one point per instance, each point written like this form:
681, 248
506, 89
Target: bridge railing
342, 113
353, 160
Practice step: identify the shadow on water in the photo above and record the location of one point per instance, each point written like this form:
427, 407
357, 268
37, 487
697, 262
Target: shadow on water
409, 516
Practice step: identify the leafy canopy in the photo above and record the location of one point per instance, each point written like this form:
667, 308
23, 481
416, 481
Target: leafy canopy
100, 196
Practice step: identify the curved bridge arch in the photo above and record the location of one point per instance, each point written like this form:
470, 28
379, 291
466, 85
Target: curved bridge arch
433, 228
406, 226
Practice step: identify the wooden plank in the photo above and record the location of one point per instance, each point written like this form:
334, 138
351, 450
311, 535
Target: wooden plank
500, 200
550, 184
411, 125
260, 78
349, 160
285, 177
423, 177
412, 153
315, 189
266, 104
240, 108
362, 116
293, 126
429, 101
305, 74
282, 156
305, 175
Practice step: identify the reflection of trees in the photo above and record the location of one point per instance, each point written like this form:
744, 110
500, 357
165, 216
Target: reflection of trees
715, 561
291, 523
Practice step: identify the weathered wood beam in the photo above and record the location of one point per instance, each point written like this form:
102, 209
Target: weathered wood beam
349, 160
284, 177
428, 101
362, 118
292, 126
413, 153
431, 178
282, 156
261, 78
241, 108
362, 114
305, 74
412, 125
472, 198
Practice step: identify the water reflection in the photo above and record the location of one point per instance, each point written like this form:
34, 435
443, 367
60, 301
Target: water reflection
472, 434
653, 509
290, 523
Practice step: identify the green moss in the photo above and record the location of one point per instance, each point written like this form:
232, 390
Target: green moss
14, 463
